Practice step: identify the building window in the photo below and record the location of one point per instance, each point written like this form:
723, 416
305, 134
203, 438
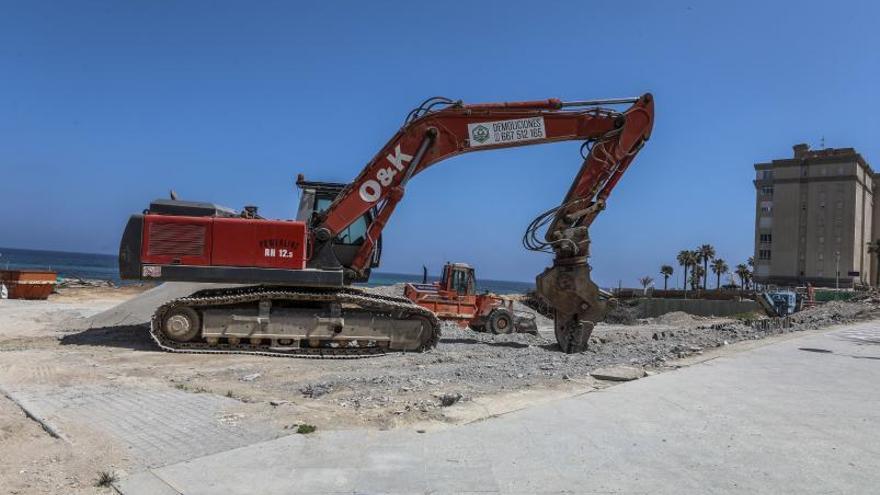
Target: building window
767, 191
765, 174
821, 256
766, 208
840, 204
766, 238
763, 254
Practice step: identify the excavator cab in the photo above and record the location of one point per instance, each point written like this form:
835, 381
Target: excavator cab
458, 278
317, 197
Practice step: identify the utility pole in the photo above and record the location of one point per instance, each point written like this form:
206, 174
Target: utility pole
837, 279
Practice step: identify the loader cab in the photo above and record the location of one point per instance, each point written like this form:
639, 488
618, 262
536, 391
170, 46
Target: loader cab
317, 197
458, 278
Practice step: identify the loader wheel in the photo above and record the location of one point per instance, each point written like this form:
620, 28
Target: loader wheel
182, 324
500, 320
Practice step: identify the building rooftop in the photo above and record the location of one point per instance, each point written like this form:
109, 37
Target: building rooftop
803, 153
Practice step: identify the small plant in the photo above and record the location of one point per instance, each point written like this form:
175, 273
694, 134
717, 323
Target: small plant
305, 429
229, 394
105, 478
189, 388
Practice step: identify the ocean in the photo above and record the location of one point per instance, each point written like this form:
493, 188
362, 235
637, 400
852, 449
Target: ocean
104, 267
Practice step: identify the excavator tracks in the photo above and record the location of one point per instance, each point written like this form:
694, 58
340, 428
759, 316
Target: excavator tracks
391, 309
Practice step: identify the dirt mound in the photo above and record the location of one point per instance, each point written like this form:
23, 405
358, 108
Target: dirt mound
622, 313
139, 309
835, 311
395, 290
676, 318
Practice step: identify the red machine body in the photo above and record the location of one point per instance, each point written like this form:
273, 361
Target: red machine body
217, 241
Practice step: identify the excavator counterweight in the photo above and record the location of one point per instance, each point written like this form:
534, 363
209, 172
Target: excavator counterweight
296, 298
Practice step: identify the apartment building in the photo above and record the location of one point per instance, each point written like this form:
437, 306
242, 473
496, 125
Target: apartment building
814, 217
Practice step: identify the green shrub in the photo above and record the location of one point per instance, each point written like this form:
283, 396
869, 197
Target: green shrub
305, 429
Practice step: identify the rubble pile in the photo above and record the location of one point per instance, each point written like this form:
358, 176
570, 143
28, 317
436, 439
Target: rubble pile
76, 283
466, 364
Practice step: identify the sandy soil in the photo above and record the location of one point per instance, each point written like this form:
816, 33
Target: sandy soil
468, 377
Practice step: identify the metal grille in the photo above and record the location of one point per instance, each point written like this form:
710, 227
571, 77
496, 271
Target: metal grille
176, 239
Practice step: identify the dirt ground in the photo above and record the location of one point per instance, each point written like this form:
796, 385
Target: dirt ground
468, 377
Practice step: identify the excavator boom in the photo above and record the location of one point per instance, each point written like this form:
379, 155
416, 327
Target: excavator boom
429, 136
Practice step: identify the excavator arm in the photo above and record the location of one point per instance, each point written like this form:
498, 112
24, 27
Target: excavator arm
442, 128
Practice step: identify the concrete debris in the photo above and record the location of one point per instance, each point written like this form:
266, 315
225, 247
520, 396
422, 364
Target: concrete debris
622, 313
447, 400
65, 283
618, 373
251, 377
315, 390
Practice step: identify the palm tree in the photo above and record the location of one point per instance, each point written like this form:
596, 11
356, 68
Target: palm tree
696, 277
742, 271
666, 271
719, 268
685, 259
646, 282
707, 254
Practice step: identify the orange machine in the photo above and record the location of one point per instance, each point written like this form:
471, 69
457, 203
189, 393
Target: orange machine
454, 298
29, 284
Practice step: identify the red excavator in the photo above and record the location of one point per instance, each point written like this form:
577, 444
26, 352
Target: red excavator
292, 294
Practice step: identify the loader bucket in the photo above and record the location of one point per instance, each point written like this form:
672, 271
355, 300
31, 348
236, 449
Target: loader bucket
524, 323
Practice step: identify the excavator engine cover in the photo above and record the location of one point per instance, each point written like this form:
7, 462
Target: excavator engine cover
567, 287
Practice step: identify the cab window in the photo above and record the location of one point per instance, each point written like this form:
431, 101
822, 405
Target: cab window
461, 281
354, 234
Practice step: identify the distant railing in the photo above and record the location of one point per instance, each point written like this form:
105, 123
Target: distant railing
711, 294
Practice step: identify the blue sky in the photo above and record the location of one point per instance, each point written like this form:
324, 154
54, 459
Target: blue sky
107, 105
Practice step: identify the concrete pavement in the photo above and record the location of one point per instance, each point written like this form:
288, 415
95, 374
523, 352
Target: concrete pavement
798, 416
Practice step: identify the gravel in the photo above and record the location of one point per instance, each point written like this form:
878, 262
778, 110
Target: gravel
468, 364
